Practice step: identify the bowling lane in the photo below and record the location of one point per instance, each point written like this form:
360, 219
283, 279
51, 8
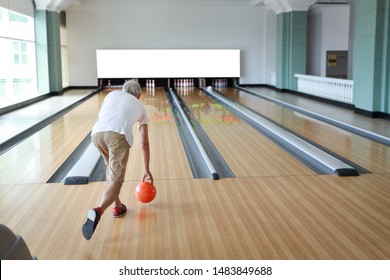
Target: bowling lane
247, 152
15, 122
371, 155
167, 156
36, 158
377, 125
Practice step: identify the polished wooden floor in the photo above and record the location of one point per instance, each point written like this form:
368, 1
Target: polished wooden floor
372, 156
247, 152
265, 212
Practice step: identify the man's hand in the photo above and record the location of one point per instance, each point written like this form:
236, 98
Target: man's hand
148, 176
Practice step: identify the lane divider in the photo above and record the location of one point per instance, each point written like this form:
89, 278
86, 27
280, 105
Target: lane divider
210, 166
351, 128
311, 155
83, 169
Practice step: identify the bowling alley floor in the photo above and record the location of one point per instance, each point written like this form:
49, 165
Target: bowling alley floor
15, 123
292, 217
284, 217
377, 125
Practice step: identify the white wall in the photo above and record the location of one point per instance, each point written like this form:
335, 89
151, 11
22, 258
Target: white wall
328, 29
168, 24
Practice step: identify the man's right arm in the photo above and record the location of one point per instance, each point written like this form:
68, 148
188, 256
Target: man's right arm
144, 136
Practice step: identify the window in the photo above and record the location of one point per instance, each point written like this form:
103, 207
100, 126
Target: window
20, 53
4, 23
17, 17
18, 79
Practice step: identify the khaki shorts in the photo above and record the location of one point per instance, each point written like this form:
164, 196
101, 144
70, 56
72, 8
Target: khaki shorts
115, 150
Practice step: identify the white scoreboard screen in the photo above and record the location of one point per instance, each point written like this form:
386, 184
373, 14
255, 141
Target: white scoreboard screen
168, 63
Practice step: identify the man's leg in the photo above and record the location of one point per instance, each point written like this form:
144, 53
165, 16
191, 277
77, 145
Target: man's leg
115, 150
111, 194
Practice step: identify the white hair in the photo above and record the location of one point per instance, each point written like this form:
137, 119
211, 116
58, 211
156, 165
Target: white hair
132, 87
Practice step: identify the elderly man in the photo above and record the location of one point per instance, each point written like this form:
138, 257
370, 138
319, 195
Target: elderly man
112, 135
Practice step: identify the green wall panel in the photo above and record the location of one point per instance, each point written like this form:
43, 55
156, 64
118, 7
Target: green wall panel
291, 48
48, 51
371, 56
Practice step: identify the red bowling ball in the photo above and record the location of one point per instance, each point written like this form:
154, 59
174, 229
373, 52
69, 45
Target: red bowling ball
145, 192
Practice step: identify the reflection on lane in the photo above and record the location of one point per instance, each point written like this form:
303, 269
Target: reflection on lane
247, 152
366, 153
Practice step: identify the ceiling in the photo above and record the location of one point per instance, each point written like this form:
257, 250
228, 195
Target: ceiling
56, 5
278, 6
